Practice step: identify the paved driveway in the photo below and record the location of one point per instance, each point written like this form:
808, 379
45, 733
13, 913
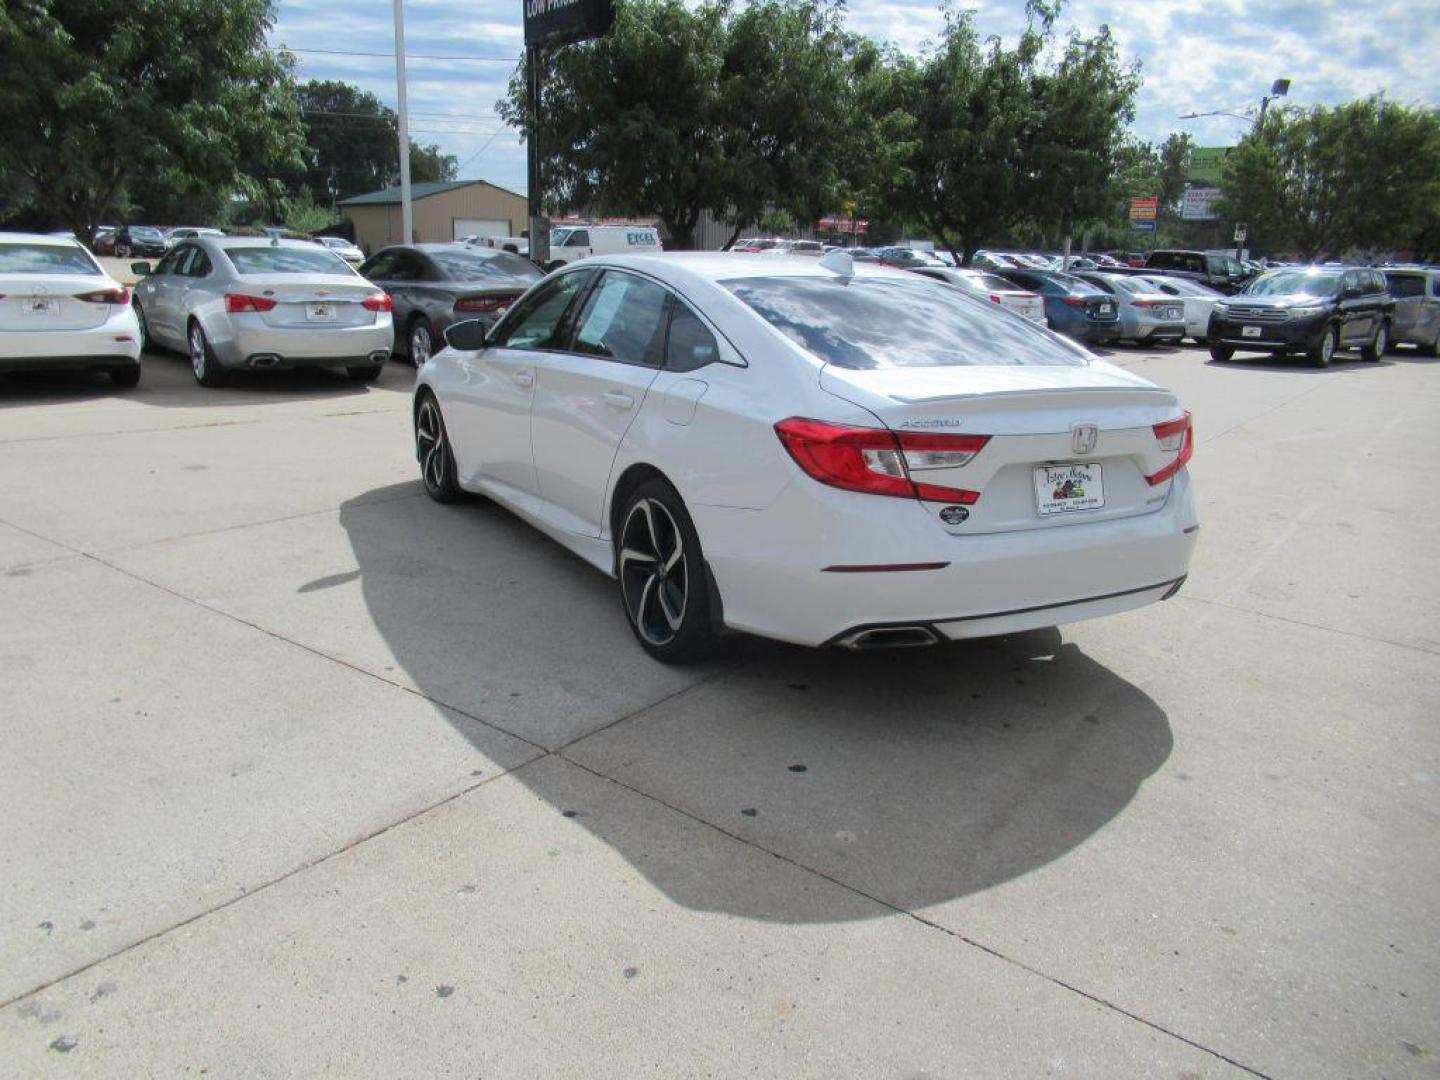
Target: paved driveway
303, 774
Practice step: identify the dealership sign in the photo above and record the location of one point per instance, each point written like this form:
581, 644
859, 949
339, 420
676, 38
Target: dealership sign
1207, 163
1199, 204
560, 22
1144, 209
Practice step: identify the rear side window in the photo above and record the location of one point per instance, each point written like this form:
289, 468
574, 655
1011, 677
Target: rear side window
868, 323
45, 259
690, 344
623, 319
538, 322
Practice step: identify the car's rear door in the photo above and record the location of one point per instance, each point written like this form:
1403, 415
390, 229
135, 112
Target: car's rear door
587, 398
1409, 292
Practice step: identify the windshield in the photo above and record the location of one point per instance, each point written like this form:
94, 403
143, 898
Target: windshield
146, 232
45, 259
868, 323
473, 266
1288, 282
286, 260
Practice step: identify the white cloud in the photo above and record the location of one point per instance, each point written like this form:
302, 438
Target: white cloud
1196, 56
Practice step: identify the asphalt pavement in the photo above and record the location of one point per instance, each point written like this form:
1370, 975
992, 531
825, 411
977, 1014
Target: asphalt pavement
305, 775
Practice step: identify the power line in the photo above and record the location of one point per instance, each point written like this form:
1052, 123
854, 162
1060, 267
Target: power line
390, 55
478, 117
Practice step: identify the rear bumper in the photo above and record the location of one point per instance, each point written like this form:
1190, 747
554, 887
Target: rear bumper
114, 343
245, 341
769, 566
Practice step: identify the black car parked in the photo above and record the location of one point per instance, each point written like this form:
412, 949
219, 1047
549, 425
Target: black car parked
1315, 310
434, 285
1222, 272
132, 240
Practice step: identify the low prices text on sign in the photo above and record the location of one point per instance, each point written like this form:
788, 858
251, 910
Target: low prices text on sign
1144, 209
561, 22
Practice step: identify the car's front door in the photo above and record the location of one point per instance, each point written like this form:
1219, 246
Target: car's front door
160, 306
487, 415
588, 397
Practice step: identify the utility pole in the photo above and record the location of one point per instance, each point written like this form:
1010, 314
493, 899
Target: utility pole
406, 218
538, 227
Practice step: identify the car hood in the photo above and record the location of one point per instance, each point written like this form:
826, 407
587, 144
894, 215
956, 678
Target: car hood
1284, 300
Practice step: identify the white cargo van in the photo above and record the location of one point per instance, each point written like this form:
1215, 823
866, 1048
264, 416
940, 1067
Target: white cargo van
571, 242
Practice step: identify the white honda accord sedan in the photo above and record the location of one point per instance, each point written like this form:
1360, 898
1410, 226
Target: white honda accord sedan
817, 451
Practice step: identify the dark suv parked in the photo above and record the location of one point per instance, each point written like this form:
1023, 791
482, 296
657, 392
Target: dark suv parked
1315, 310
131, 240
1222, 272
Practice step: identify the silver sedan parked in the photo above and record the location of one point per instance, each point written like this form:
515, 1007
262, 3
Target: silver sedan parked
240, 302
1146, 314
1199, 300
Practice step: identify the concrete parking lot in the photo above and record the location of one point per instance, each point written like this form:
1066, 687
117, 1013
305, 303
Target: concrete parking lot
305, 775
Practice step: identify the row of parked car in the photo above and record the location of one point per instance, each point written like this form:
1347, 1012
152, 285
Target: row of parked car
151, 241
230, 302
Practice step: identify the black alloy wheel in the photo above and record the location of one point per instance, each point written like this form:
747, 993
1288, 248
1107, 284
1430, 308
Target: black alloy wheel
432, 451
663, 581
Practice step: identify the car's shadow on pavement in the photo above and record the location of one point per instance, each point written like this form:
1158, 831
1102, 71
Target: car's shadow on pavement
167, 381
914, 776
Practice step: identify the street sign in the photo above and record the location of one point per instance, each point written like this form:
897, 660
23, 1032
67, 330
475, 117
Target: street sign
1199, 204
1240, 234
1207, 163
559, 22
1142, 226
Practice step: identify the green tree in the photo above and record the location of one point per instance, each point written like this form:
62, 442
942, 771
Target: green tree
1357, 176
100, 95
351, 144
681, 110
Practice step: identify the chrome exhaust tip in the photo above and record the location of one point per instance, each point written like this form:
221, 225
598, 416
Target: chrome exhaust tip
379, 356
264, 361
889, 637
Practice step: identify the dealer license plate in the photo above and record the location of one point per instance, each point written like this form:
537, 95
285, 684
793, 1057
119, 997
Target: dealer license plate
1062, 489
40, 305
1106, 308
1250, 331
320, 311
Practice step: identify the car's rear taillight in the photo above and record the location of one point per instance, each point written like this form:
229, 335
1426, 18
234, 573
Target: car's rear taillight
1174, 435
994, 298
378, 302
485, 305
239, 303
877, 461
1075, 301
105, 296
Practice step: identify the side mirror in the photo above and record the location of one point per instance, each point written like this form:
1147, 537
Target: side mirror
467, 336
140, 269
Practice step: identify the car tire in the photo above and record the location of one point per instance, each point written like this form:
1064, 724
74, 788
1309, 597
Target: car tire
1221, 354
145, 343
207, 369
432, 451
421, 337
1324, 352
125, 377
122, 251
1435, 345
664, 586
365, 372
1202, 342
1379, 344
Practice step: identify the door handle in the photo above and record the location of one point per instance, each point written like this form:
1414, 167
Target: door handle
524, 378
618, 399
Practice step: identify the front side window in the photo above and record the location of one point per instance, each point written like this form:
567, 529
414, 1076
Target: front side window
286, 260
199, 265
578, 238
27, 258
623, 319
538, 322
169, 263
381, 266
865, 323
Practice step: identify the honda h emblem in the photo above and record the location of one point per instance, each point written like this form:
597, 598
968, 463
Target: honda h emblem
1083, 437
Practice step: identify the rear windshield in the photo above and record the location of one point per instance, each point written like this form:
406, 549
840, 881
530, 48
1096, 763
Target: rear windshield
45, 259
1286, 282
991, 282
286, 260
1407, 284
874, 323
475, 266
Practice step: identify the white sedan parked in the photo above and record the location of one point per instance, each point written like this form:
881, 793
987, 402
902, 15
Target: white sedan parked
59, 310
997, 290
817, 451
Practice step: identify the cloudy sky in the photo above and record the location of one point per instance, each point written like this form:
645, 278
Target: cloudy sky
1196, 55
